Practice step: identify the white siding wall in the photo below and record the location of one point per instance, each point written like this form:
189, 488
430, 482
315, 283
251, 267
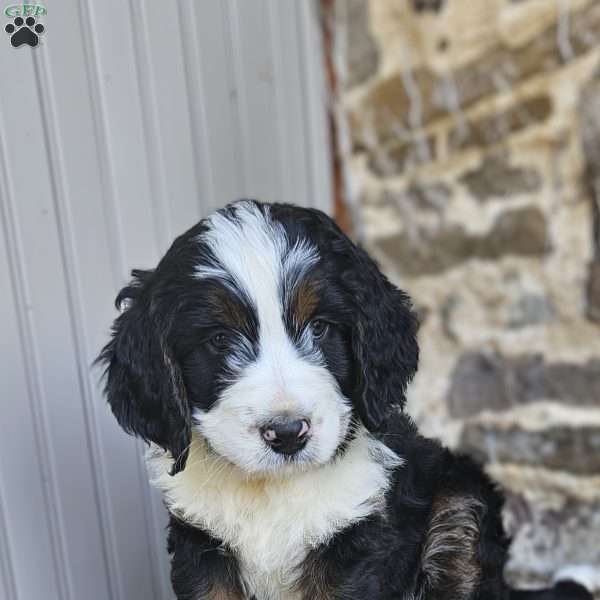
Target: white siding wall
130, 121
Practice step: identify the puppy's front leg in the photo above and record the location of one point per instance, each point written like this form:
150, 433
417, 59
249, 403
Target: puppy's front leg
201, 567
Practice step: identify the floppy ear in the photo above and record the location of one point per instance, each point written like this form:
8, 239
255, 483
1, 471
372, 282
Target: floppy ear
384, 341
143, 385
384, 326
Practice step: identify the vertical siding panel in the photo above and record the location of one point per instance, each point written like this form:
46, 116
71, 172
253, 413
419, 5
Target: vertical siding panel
286, 51
147, 103
26, 501
254, 69
8, 584
9, 390
315, 103
27, 535
196, 108
220, 99
163, 75
105, 170
123, 129
281, 116
231, 17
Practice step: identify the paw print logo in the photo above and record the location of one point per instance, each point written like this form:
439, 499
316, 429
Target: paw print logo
24, 31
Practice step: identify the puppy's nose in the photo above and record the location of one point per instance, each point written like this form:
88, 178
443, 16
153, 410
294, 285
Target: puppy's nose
286, 435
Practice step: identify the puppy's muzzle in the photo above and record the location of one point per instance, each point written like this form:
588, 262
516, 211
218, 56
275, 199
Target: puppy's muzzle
286, 435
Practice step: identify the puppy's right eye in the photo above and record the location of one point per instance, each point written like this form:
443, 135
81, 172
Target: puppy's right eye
319, 328
220, 342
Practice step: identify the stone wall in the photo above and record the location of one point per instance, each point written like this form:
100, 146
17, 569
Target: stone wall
473, 157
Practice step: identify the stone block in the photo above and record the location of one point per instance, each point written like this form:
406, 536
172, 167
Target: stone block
490, 381
519, 232
396, 158
575, 449
362, 52
496, 178
493, 128
593, 291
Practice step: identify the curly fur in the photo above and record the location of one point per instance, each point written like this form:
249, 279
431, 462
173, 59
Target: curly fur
449, 560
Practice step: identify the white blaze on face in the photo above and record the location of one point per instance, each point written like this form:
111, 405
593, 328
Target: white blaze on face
255, 256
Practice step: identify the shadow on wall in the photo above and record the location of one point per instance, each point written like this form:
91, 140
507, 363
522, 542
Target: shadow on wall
475, 150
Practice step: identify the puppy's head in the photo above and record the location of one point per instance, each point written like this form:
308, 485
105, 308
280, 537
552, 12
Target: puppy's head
266, 330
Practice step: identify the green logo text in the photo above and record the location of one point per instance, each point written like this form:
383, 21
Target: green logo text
25, 10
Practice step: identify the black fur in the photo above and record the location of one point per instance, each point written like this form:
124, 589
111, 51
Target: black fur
440, 536
201, 566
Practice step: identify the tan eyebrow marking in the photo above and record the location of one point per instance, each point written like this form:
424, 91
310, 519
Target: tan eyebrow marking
305, 301
228, 309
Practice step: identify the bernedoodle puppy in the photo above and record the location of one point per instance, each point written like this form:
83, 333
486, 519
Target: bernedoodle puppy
265, 360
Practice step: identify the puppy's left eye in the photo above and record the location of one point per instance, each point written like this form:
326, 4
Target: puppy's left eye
220, 342
319, 328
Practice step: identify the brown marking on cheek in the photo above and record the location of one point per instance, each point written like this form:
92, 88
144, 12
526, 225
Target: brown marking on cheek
305, 302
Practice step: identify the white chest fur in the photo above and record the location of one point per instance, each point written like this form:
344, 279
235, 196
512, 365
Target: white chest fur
271, 524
